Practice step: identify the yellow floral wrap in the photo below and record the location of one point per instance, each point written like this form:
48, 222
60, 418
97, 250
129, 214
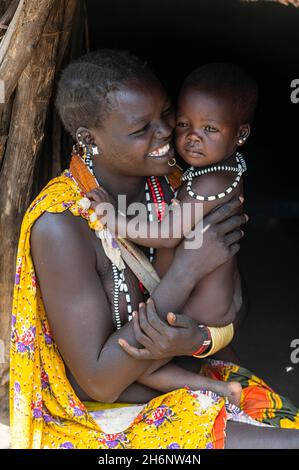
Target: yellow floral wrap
45, 411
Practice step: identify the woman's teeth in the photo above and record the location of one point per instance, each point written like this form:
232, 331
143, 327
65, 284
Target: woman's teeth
160, 152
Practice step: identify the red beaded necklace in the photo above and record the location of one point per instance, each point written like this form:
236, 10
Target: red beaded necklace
154, 192
157, 195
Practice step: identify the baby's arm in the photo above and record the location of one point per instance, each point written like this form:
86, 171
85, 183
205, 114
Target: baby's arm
165, 234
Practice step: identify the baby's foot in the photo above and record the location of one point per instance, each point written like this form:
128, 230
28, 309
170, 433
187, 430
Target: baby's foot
234, 392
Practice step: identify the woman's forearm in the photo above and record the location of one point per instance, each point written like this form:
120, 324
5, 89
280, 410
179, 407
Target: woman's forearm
174, 289
121, 370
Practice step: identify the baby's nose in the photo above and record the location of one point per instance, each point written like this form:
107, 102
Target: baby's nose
193, 137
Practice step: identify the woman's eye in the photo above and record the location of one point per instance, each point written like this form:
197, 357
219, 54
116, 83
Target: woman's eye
141, 131
210, 129
182, 124
167, 111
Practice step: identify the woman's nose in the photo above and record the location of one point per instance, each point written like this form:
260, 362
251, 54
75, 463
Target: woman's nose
164, 130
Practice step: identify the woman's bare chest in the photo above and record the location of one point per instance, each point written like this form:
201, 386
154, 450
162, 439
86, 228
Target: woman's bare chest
123, 292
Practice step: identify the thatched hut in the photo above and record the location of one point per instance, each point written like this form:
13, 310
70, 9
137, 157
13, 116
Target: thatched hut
37, 38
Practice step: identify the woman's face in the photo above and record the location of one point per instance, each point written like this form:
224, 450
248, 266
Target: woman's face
136, 136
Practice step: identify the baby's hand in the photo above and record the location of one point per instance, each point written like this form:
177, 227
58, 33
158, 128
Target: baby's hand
99, 196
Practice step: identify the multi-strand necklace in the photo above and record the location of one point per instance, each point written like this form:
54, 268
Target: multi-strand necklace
192, 173
155, 193
82, 160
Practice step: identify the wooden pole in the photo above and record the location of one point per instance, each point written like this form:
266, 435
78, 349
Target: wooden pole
5, 114
25, 137
8, 15
7, 11
21, 39
69, 14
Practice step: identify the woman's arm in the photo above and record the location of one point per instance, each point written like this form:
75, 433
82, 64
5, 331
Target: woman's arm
80, 315
78, 310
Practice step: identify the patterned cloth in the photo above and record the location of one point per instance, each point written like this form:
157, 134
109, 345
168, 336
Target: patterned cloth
45, 411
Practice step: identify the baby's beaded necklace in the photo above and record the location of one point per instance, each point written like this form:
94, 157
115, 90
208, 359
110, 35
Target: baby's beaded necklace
191, 173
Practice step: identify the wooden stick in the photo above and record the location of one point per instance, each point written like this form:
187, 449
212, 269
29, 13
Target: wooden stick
68, 20
26, 135
69, 15
5, 115
21, 39
9, 14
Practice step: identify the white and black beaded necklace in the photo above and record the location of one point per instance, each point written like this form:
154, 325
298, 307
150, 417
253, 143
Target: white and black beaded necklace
191, 173
152, 183
119, 281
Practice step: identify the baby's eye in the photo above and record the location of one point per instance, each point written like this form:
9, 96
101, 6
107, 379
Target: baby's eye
181, 124
210, 129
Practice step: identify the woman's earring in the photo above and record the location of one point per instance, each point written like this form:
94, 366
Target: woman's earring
87, 151
172, 162
95, 150
241, 140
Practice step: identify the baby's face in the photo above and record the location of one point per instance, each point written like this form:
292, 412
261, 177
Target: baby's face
206, 127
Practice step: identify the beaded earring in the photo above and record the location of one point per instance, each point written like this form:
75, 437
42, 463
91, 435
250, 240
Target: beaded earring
87, 151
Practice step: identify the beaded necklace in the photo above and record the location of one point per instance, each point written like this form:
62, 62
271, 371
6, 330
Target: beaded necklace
153, 185
191, 173
154, 191
88, 181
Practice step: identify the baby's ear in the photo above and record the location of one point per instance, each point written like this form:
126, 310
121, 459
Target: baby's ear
243, 134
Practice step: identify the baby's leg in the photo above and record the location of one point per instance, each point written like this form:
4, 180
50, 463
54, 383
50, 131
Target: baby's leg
156, 365
170, 377
231, 390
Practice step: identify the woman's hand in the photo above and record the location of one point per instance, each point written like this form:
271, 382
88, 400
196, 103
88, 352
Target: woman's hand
160, 340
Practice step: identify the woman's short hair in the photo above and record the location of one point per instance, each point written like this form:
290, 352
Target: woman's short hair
82, 97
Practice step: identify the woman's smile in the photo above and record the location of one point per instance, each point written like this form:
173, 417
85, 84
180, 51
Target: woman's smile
162, 153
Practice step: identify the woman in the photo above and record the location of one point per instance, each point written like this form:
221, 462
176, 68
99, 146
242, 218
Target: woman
65, 348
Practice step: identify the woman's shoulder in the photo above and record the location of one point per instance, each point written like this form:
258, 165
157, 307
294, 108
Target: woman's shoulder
60, 231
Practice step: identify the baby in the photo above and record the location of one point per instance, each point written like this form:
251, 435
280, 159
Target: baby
215, 109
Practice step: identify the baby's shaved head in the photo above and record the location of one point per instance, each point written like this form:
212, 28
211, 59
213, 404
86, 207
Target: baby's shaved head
228, 81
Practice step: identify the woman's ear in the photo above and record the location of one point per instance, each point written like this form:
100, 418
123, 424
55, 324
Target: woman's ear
243, 134
83, 136
86, 138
